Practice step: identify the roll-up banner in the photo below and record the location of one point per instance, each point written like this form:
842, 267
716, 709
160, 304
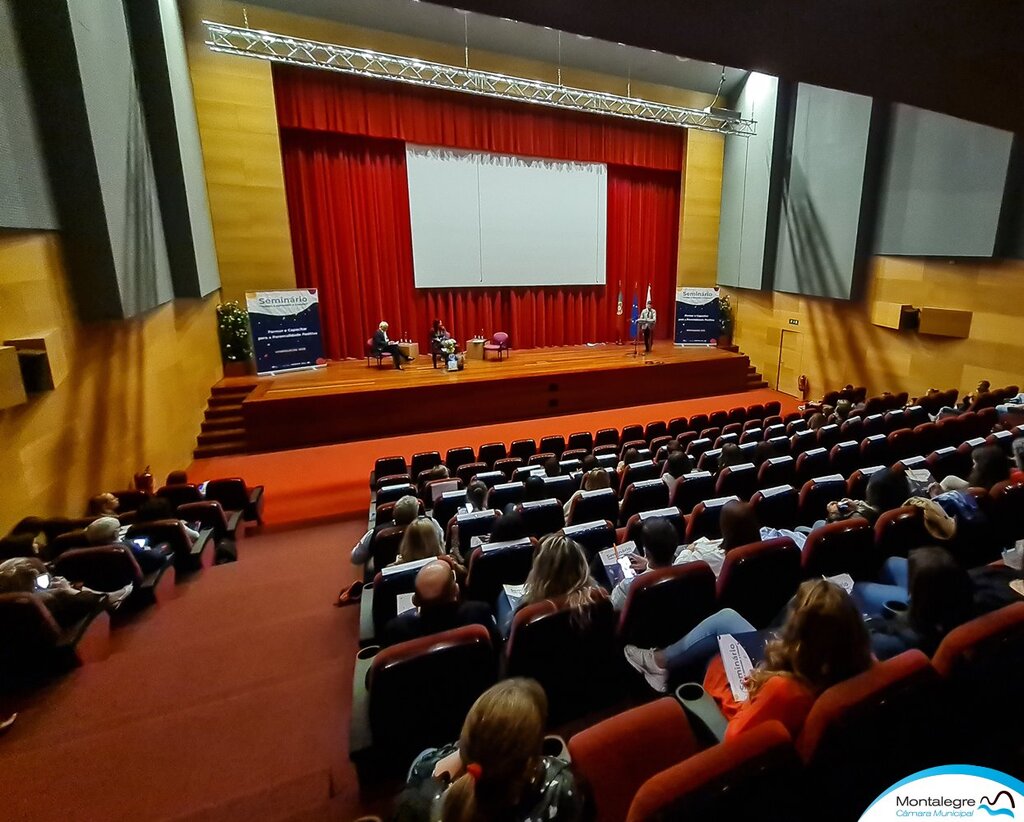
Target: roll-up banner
698, 318
285, 329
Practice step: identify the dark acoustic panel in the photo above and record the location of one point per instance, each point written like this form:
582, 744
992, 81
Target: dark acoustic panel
943, 186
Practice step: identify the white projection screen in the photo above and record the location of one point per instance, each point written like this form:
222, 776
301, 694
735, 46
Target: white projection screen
481, 219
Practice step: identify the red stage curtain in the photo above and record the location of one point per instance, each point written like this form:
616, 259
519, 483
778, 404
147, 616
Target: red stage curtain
324, 101
348, 205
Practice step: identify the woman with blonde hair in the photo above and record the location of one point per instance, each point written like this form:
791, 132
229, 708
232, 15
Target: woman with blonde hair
559, 570
497, 771
593, 480
422, 540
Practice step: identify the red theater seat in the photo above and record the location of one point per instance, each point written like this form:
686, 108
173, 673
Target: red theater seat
758, 580
664, 604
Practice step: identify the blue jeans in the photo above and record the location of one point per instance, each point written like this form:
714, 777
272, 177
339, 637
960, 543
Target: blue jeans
701, 643
893, 583
503, 613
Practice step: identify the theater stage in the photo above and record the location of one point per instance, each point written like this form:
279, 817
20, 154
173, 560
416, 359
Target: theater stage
348, 401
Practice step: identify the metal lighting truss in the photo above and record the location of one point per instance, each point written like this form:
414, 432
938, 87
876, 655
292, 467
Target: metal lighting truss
277, 48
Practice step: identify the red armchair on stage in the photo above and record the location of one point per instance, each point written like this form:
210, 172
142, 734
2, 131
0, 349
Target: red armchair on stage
499, 342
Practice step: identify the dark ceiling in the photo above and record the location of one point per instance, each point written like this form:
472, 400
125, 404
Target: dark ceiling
961, 57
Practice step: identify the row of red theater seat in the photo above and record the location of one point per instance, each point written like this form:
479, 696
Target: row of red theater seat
860, 738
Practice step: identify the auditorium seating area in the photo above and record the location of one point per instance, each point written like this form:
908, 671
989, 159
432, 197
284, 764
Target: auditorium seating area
647, 759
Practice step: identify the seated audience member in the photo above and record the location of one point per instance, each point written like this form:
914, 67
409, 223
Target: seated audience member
476, 492
103, 505
104, 531
177, 478
422, 539
944, 413
886, 491
405, 511
763, 452
823, 641
990, 466
438, 472
588, 463
631, 455
842, 412
535, 488
660, 541
938, 596
559, 570
593, 480
1017, 475
22, 545
817, 420
552, 468
983, 388
730, 455
65, 602
739, 526
497, 770
509, 526
677, 465
383, 345
439, 607
157, 508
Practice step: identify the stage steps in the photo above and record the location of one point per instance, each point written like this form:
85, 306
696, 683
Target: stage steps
223, 428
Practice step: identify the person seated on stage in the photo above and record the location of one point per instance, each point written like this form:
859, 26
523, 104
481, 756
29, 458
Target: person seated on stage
631, 455
535, 489
104, 531
648, 317
497, 770
66, 603
438, 334
660, 541
593, 480
383, 345
439, 607
552, 468
559, 569
158, 508
405, 511
731, 455
103, 505
677, 465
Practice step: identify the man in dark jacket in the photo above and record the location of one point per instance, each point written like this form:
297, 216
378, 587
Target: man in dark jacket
438, 608
383, 345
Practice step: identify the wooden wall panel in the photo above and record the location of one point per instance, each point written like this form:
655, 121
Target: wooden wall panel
134, 394
700, 209
242, 153
843, 346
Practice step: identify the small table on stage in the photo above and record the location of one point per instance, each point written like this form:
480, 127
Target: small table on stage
475, 349
409, 349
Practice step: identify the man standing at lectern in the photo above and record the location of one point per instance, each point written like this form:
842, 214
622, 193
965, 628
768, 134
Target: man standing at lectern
648, 317
383, 345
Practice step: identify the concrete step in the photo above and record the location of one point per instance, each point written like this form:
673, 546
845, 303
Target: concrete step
223, 423
220, 400
221, 411
226, 435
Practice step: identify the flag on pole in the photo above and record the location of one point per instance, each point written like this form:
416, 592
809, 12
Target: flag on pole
636, 311
618, 310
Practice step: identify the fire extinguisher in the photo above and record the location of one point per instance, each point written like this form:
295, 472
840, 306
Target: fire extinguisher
804, 385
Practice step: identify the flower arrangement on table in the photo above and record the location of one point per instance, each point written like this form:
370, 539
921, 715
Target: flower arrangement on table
448, 347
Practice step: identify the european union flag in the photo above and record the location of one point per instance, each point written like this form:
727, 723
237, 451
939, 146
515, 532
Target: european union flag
634, 315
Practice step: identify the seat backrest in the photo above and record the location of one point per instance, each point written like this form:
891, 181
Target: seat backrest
704, 519
103, 568
777, 507
645, 495
709, 459
27, 630
491, 452
718, 418
468, 470
780, 470
802, 441
66, 541
1007, 511
457, 457
665, 604
811, 463
233, 494
696, 448
474, 524
447, 506
393, 493
562, 487
424, 460
207, 514
637, 471
615, 757
631, 433
607, 436
758, 580
897, 700
553, 444
169, 531
738, 480
540, 458
634, 527
505, 493
592, 536
846, 547
692, 488
385, 544
817, 493
844, 458
180, 494
655, 429
756, 775
948, 460
542, 517
129, 499
572, 655
391, 479
599, 504
829, 435
420, 691
497, 564
580, 439
389, 582
508, 465
900, 531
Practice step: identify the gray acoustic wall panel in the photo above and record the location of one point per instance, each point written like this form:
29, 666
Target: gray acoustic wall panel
821, 234
25, 201
943, 186
746, 183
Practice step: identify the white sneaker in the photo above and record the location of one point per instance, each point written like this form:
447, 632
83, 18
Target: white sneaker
116, 598
643, 660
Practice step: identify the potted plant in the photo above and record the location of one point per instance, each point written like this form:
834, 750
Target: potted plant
235, 344
725, 321
448, 349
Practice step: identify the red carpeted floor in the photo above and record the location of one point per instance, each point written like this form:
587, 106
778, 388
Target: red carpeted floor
231, 699
331, 480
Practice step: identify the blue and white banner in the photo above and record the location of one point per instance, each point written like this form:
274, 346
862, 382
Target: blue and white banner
952, 791
285, 329
698, 318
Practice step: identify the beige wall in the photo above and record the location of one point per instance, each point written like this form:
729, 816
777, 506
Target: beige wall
134, 394
238, 126
838, 343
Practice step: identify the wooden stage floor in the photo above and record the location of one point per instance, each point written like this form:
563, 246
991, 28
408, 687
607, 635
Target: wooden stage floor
348, 401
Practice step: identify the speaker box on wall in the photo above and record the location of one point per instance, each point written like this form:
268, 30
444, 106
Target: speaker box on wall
43, 358
12, 388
